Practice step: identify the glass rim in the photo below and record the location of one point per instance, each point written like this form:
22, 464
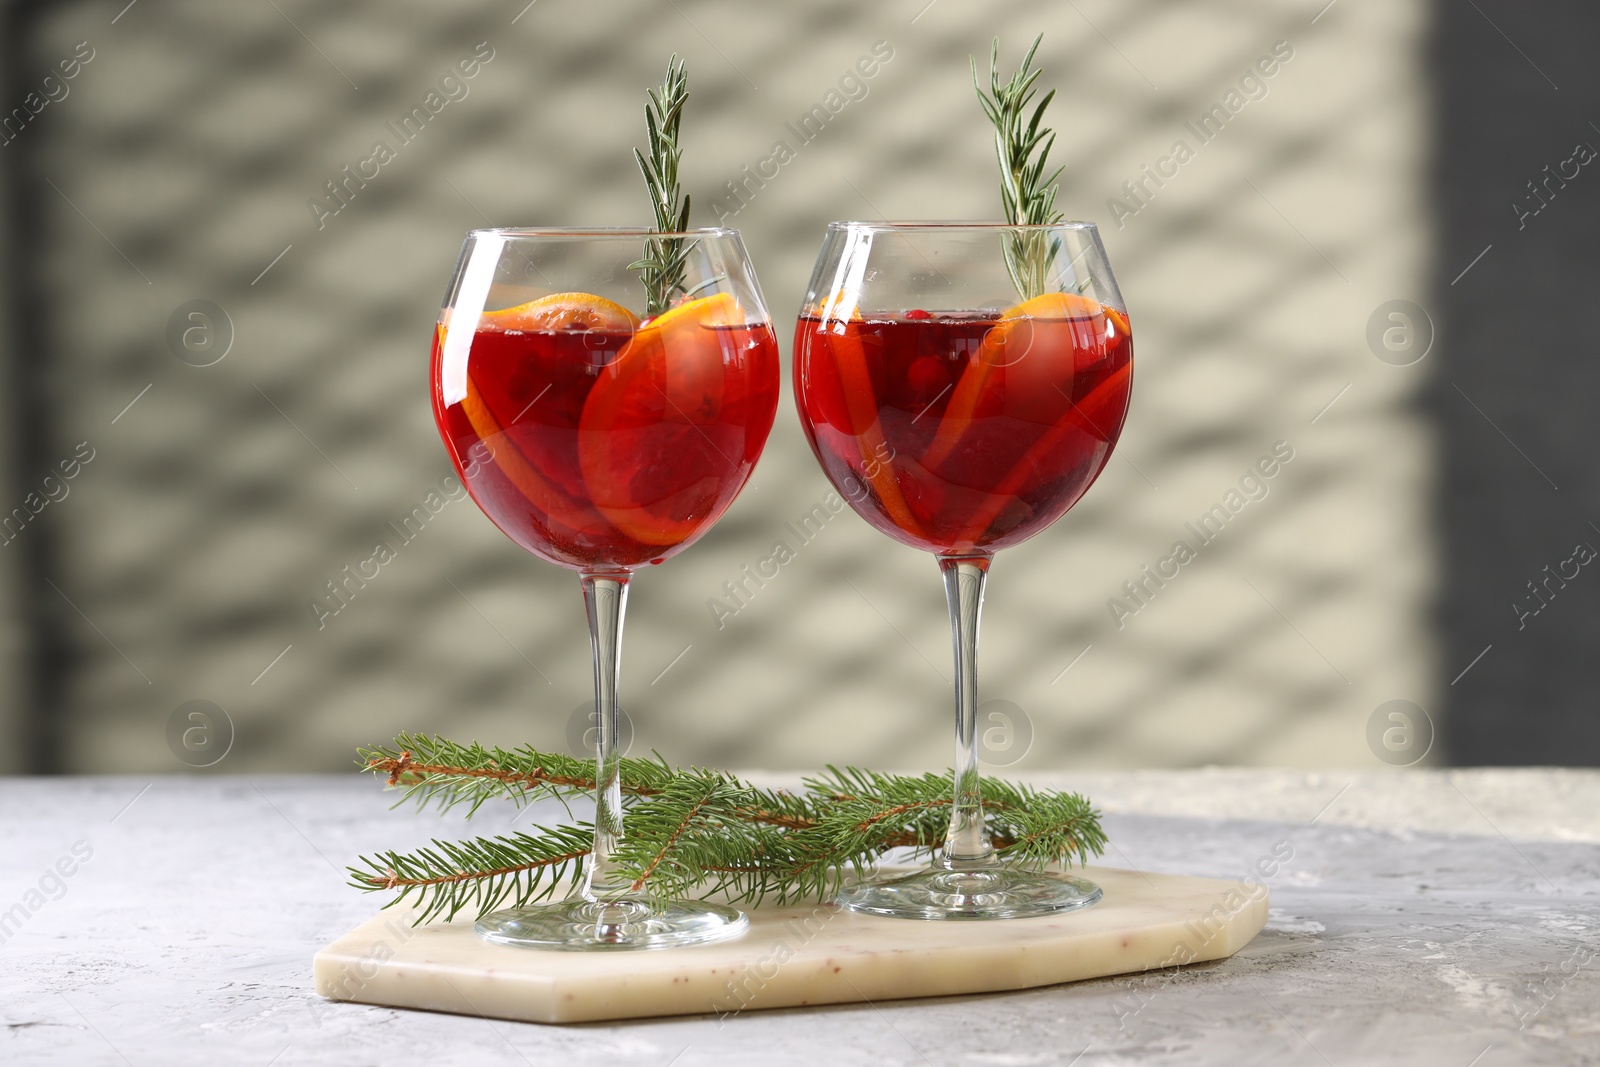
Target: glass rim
935, 225
599, 231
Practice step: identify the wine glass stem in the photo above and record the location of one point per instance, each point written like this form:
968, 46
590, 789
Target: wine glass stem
967, 845
606, 598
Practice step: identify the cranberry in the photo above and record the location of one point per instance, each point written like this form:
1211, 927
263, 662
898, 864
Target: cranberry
927, 376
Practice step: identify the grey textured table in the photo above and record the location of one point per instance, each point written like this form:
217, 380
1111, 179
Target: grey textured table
1424, 917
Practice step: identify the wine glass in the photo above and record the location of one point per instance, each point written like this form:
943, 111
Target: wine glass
604, 440
962, 385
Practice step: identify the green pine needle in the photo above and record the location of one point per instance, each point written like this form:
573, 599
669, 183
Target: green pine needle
1022, 144
691, 830
662, 268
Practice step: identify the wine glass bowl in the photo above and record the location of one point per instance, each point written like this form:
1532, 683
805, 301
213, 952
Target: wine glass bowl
962, 385
589, 436
963, 416
604, 414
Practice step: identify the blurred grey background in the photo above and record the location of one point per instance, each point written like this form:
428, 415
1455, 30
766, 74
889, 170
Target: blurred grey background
1337, 261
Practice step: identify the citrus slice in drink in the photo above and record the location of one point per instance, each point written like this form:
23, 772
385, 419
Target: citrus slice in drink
1024, 349
1099, 414
647, 439
559, 311
562, 311
850, 404
855, 409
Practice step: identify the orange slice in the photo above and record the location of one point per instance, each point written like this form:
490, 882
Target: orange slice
562, 311
718, 309
1101, 414
827, 309
1007, 342
861, 405
643, 445
546, 313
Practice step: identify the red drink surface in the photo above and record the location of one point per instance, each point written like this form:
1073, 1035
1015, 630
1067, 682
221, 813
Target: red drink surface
952, 431
606, 448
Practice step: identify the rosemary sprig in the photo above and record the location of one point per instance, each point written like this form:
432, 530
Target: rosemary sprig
662, 267
690, 830
1023, 145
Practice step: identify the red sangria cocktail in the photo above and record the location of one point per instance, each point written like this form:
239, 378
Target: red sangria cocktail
962, 385
593, 440
603, 441
967, 430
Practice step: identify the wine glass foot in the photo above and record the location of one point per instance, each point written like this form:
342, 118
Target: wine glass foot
998, 893
583, 925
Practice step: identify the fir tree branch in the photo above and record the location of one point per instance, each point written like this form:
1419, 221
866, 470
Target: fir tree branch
434, 770
478, 875
692, 830
776, 818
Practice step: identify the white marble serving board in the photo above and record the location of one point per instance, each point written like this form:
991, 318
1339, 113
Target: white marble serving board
795, 955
